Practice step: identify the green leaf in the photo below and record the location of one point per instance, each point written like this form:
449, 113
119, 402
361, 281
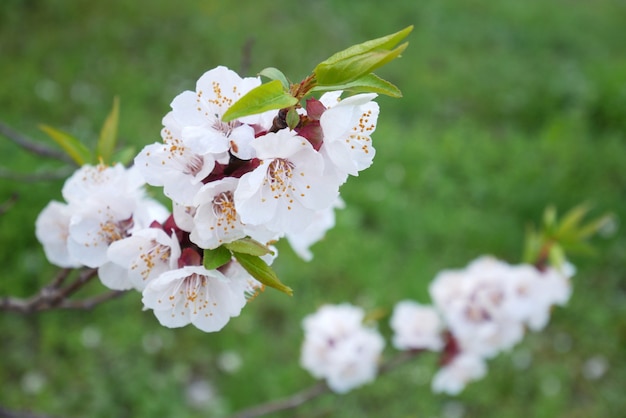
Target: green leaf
108, 133
382, 43
275, 74
248, 246
215, 258
369, 83
549, 216
261, 271
355, 67
361, 59
532, 245
594, 226
268, 96
74, 148
556, 256
572, 219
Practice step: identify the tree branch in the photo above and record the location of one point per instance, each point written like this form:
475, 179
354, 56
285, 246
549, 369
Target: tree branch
33, 177
5, 413
33, 146
316, 390
53, 296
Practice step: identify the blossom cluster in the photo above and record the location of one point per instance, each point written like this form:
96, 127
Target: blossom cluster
256, 177
477, 312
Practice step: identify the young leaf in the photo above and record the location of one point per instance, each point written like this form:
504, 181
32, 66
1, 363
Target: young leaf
275, 74
355, 67
261, 271
74, 148
595, 226
572, 219
382, 43
361, 59
369, 83
108, 133
248, 246
215, 258
268, 96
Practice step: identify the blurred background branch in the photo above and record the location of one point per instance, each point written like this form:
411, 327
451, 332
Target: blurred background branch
33, 146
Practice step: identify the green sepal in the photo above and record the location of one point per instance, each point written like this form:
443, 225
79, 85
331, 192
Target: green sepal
258, 269
216, 257
72, 146
275, 74
248, 246
108, 133
361, 59
268, 96
369, 83
292, 119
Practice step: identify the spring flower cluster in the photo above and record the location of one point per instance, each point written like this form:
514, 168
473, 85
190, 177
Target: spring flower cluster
477, 312
253, 178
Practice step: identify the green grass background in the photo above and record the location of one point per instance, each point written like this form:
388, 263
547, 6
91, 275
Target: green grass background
508, 106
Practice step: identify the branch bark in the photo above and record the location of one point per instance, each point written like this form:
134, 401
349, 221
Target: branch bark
54, 296
33, 146
318, 389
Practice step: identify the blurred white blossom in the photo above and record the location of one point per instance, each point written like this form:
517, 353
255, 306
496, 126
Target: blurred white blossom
339, 348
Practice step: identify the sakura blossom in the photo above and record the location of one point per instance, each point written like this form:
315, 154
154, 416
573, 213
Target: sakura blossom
475, 304
454, 376
192, 294
288, 186
143, 256
52, 231
347, 127
416, 326
178, 166
339, 348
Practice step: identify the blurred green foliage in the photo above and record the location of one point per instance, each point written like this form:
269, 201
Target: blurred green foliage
508, 107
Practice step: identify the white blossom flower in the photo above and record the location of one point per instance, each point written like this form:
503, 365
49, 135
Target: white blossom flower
200, 112
183, 216
176, 165
90, 181
537, 291
476, 305
454, 376
96, 224
288, 187
416, 326
339, 348
347, 128
192, 294
52, 231
141, 257
216, 220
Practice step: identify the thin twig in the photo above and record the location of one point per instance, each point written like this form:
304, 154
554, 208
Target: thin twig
246, 56
8, 204
33, 146
291, 402
6, 413
33, 177
53, 296
316, 390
